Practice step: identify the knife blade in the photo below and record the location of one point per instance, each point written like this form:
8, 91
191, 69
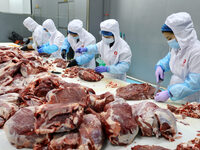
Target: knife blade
157, 87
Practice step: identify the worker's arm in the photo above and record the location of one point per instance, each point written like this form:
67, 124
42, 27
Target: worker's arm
49, 49
164, 63
119, 68
65, 45
188, 87
92, 49
84, 58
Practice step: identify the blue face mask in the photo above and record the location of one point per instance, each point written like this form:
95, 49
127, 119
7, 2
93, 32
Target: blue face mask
48, 34
76, 37
173, 44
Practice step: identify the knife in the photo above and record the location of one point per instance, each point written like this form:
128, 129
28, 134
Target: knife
56, 72
157, 86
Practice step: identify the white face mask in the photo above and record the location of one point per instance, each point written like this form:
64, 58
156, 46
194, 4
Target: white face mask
107, 40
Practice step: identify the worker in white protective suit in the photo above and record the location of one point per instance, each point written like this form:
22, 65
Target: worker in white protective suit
78, 37
183, 60
55, 42
39, 36
114, 51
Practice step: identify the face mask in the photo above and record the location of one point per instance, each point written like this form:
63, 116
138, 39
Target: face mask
174, 44
76, 37
107, 40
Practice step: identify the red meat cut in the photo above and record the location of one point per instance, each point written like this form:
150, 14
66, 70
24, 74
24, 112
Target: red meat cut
50, 118
20, 130
91, 133
121, 128
153, 120
40, 85
148, 147
90, 75
188, 109
136, 92
190, 145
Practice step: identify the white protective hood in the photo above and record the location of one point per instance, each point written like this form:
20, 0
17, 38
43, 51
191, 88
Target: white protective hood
183, 28
122, 48
56, 38
111, 25
30, 24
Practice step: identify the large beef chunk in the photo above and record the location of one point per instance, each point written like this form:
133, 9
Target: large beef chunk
20, 129
136, 92
90, 75
50, 118
121, 128
153, 120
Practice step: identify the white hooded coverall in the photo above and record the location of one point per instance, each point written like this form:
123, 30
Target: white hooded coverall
40, 36
56, 37
185, 63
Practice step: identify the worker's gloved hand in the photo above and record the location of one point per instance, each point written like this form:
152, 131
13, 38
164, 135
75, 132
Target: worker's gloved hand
159, 74
24, 48
40, 50
63, 53
72, 63
162, 96
26, 41
81, 50
101, 69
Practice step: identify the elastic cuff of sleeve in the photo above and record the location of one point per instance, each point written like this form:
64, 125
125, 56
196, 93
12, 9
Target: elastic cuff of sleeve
169, 93
161, 67
107, 68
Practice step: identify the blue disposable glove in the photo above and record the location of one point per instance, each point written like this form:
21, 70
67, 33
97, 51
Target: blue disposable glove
101, 69
159, 74
162, 96
40, 50
81, 50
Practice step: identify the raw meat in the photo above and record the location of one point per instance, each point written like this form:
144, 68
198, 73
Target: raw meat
167, 123
112, 84
190, 145
121, 128
64, 141
60, 63
40, 85
31, 67
8, 71
50, 118
20, 131
145, 118
72, 72
91, 133
90, 75
188, 109
10, 97
88, 137
75, 93
136, 92
153, 120
147, 147
17, 85
68, 95
8, 106
6, 111
98, 102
